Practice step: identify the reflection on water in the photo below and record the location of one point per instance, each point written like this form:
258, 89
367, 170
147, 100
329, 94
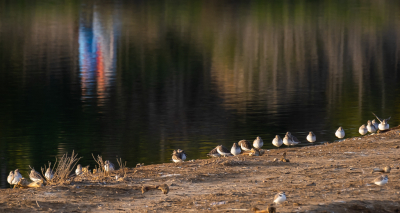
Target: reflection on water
137, 80
97, 55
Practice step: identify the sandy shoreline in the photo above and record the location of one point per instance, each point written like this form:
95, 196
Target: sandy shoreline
335, 177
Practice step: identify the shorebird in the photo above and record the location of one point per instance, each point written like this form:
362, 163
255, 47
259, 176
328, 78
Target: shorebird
311, 137
375, 124
363, 130
290, 140
287, 141
340, 133
245, 145
17, 177
10, 177
176, 157
181, 153
223, 151
235, 150
280, 198
49, 174
381, 180
383, 125
258, 143
214, 153
293, 138
108, 166
78, 170
277, 141
35, 176
370, 127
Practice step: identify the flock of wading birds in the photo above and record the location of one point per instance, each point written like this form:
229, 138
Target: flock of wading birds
243, 145
15, 177
289, 140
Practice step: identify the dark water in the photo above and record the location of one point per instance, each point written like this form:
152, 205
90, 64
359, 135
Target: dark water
139, 79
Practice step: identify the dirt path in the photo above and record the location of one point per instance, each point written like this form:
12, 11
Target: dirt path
326, 178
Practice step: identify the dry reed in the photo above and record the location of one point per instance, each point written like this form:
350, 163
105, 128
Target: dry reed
64, 168
101, 169
100, 163
122, 166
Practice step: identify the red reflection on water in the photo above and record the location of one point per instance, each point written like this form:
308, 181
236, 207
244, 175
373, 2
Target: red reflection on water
100, 75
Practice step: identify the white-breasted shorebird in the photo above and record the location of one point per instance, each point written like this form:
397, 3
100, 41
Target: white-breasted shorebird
235, 150
370, 127
245, 145
381, 180
375, 124
35, 176
340, 133
280, 198
290, 140
108, 166
10, 177
176, 157
287, 141
311, 137
78, 170
363, 130
384, 123
258, 143
277, 141
17, 177
223, 151
49, 174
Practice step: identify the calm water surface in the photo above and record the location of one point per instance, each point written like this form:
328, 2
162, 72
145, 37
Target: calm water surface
136, 80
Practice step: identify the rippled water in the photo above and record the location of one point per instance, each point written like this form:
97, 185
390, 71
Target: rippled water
139, 79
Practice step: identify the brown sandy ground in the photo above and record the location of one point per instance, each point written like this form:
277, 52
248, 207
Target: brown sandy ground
333, 177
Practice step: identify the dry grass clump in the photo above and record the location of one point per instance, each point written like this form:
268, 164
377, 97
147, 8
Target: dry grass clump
63, 169
122, 166
99, 172
86, 170
100, 163
100, 168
